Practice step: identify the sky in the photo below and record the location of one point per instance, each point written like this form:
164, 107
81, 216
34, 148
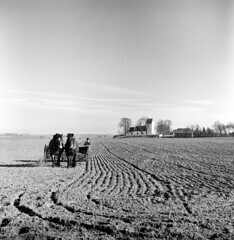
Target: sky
82, 65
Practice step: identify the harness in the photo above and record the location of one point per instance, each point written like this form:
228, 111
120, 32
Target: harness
73, 143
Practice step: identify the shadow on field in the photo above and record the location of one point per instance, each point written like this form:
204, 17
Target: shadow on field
22, 163
27, 161
34, 163
19, 165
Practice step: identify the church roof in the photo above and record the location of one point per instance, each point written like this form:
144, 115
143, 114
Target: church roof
140, 128
131, 129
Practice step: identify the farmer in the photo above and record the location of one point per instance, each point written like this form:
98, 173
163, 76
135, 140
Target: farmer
87, 142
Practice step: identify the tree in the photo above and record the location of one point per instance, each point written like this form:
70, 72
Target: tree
224, 129
141, 121
192, 127
163, 126
197, 132
198, 128
204, 130
230, 127
125, 124
218, 126
210, 132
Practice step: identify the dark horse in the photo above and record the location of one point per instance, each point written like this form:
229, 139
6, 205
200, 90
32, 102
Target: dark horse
71, 149
56, 149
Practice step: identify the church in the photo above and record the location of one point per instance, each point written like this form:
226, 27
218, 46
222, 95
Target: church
147, 129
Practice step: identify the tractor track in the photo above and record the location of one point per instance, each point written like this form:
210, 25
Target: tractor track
105, 173
170, 188
184, 169
55, 221
71, 222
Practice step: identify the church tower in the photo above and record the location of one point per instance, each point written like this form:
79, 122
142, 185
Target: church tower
149, 126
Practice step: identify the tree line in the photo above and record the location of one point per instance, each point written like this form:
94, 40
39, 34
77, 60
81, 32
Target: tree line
219, 129
164, 127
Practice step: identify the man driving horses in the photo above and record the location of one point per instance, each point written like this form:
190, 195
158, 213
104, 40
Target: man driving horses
87, 142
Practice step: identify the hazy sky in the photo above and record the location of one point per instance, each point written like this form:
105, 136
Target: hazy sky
79, 66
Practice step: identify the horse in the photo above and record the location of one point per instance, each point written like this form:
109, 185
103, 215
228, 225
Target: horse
71, 149
56, 149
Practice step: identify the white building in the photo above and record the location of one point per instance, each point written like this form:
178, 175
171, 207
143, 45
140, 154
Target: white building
148, 129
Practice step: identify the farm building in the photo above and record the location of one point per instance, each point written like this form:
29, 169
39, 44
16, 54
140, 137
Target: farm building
147, 129
183, 132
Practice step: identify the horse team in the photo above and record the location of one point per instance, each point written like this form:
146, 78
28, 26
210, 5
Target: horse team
71, 147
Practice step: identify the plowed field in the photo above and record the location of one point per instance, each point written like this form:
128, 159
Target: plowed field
130, 188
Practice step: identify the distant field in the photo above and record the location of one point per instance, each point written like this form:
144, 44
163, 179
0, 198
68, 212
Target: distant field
21, 149
130, 188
